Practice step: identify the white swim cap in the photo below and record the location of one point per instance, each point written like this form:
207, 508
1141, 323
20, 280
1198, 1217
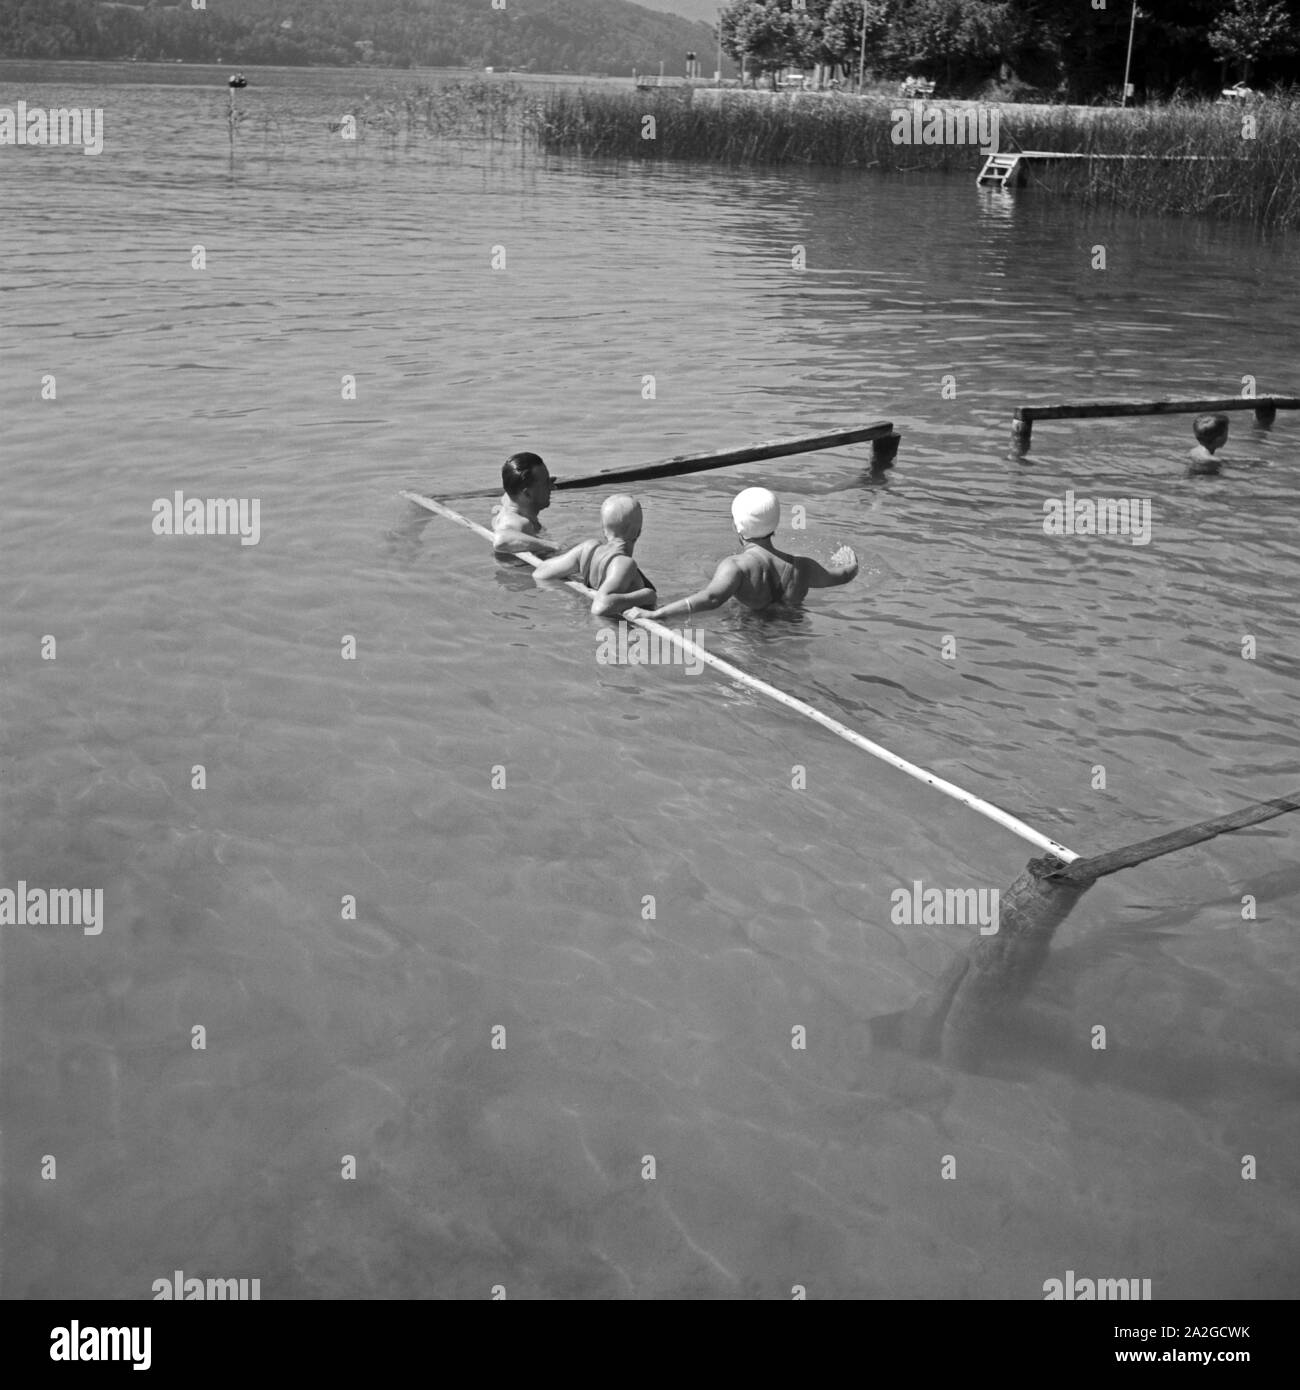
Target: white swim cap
756, 513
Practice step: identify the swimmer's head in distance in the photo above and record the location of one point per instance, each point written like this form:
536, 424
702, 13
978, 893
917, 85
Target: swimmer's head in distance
1208, 428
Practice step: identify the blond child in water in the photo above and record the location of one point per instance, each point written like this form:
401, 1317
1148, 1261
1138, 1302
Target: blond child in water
607, 566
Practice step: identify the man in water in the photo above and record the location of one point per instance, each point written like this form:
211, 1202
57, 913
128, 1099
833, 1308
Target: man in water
761, 575
515, 526
1211, 433
607, 566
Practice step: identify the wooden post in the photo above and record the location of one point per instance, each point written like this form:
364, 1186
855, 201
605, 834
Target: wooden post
1022, 430
1128, 61
1265, 415
883, 452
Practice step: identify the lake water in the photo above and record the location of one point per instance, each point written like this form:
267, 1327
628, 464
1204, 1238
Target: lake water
522, 908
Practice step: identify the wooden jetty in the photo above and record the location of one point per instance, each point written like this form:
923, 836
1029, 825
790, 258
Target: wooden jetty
1007, 169
1265, 408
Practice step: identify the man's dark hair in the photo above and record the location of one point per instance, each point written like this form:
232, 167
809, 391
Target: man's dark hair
1208, 426
517, 472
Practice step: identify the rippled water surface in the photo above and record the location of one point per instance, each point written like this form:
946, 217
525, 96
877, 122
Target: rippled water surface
627, 1034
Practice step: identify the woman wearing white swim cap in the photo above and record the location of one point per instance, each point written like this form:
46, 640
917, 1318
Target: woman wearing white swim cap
761, 575
756, 513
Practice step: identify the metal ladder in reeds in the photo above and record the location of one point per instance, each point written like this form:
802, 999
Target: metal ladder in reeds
1000, 170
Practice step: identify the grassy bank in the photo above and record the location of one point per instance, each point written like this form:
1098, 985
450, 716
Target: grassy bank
1254, 179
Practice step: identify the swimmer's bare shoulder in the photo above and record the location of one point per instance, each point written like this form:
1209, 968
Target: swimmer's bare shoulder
512, 534
1201, 460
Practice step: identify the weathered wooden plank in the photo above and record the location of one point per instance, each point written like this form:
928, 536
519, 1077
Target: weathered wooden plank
881, 433
1087, 410
1086, 870
1022, 421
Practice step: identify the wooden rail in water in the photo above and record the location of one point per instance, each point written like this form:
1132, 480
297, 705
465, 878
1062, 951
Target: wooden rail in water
1085, 871
884, 446
1022, 422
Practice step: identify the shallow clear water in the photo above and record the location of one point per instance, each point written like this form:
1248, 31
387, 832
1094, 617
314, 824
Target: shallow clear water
522, 908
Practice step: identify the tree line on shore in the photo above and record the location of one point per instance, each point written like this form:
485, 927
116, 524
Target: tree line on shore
1071, 49
1075, 49
590, 36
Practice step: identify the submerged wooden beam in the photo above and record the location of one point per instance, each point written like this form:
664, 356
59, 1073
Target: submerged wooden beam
997, 971
1265, 408
884, 446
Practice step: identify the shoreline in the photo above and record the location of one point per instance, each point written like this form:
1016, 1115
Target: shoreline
1206, 159
1209, 159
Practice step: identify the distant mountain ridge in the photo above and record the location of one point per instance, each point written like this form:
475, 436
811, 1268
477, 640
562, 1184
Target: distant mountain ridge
702, 11
610, 37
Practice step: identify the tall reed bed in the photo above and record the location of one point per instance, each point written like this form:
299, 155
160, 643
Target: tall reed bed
1254, 177
476, 110
740, 129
